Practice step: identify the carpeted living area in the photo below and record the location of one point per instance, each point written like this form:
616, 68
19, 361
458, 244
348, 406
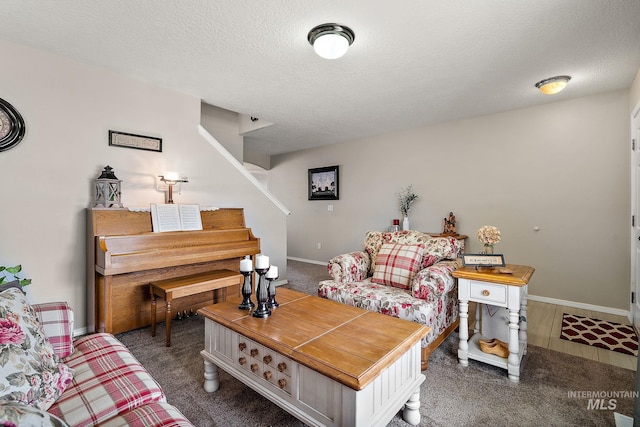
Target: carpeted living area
555, 389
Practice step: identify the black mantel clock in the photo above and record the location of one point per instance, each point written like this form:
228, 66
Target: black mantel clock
12, 126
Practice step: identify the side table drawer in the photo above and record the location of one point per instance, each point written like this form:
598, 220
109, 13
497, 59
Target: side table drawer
487, 292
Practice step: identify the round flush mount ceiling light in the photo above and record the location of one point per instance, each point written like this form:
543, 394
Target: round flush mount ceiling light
331, 41
553, 84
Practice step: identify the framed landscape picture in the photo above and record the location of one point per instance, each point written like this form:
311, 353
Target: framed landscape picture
323, 183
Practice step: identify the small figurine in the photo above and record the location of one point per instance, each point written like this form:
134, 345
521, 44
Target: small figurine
450, 225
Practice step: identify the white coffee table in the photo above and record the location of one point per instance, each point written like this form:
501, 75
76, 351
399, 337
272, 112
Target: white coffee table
326, 363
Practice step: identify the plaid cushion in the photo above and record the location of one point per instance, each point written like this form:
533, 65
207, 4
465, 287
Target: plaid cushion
108, 381
151, 415
56, 319
396, 264
373, 240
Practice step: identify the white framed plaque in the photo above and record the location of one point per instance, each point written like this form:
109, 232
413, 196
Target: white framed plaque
130, 140
483, 260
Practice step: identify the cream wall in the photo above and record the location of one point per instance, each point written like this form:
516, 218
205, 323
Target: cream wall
562, 167
48, 178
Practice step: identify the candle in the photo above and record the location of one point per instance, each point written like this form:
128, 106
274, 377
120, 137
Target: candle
246, 265
273, 272
262, 261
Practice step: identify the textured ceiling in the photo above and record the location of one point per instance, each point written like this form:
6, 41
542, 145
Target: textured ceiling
413, 63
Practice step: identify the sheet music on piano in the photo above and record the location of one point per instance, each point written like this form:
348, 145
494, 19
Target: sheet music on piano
175, 217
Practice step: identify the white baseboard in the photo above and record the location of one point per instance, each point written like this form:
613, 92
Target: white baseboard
309, 261
79, 332
281, 282
609, 310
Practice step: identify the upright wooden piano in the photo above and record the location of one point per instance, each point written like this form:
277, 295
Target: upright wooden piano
124, 255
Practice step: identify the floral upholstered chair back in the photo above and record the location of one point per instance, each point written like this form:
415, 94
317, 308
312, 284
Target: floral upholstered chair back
357, 266
436, 248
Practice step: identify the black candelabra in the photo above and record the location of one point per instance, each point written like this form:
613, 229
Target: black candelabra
247, 290
272, 289
262, 294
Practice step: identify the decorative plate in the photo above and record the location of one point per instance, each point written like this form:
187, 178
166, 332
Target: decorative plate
12, 126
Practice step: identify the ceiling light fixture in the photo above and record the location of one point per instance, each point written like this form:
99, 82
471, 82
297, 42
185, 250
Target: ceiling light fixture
553, 84
331, 41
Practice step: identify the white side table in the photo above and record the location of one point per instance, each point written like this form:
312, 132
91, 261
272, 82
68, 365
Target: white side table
502, 311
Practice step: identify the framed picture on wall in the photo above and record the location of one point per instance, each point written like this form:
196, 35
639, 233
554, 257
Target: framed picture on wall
323, 183
130, 140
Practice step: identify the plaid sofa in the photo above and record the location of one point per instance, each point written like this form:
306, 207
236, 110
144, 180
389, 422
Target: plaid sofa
404, 274
109, 387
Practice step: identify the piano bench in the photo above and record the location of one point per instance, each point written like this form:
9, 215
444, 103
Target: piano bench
184, 286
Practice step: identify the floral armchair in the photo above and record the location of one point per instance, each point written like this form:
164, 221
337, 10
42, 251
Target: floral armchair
404, 274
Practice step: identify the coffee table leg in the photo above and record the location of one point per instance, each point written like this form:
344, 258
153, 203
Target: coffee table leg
211, 381
411, 412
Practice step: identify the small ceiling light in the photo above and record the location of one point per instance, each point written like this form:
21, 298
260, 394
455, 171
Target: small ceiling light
331, 41
553, 84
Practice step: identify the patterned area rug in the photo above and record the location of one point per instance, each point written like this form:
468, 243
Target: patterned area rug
599, 333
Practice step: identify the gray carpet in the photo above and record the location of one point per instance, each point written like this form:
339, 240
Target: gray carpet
479, 395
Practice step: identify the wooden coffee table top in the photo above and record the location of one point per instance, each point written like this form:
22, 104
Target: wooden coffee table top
347, 344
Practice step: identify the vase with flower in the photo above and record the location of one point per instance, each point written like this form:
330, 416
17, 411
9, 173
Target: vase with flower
489, 236
405, 200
